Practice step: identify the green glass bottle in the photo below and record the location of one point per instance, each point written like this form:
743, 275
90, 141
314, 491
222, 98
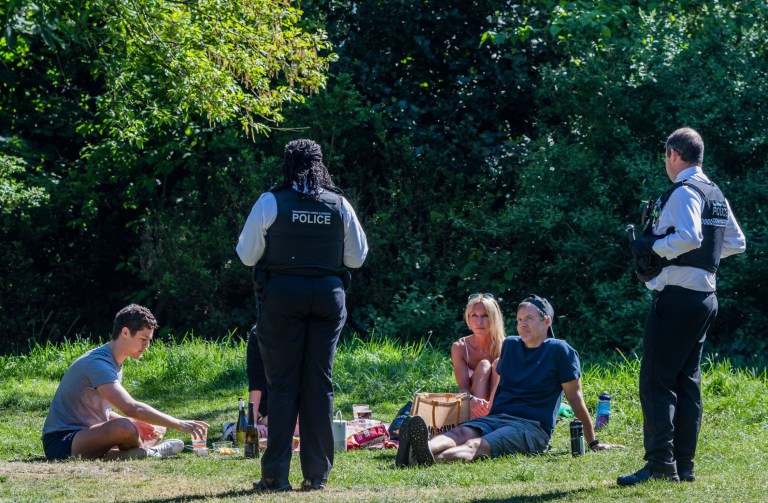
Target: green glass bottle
251, 446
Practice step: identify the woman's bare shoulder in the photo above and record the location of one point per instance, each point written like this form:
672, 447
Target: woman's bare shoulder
459, 344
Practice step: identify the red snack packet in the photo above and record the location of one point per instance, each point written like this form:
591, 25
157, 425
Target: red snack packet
374, 435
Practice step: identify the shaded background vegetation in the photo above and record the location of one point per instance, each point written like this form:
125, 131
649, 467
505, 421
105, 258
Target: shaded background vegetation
489, 146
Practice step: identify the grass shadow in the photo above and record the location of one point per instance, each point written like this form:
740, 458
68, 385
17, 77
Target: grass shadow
30, 458
199, 497
574, 495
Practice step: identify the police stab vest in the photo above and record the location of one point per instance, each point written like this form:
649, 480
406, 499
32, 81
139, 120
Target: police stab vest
307, 237
714, 218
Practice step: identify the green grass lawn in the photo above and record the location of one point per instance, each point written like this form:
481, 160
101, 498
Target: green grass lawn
202, 380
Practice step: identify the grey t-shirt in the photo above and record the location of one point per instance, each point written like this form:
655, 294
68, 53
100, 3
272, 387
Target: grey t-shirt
77, 404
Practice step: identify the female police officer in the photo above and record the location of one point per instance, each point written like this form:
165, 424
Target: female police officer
302, 236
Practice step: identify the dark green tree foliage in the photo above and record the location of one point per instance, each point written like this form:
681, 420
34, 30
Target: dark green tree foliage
45, 96
125, 117
531, 133
630, 74
451, 104
486, 145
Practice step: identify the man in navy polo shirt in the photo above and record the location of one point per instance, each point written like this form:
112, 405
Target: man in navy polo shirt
535, 369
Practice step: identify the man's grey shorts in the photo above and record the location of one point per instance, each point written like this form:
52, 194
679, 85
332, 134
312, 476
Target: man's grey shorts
509, 434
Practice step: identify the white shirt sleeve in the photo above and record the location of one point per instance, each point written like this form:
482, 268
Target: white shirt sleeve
683, 212
252, 242
684, 208
734, 241
355, 242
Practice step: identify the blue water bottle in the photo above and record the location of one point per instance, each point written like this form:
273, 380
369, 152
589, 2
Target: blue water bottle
603, 410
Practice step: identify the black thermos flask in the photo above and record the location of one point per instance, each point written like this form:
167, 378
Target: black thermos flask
577, 438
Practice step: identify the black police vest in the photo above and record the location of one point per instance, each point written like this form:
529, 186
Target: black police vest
307, 237
714, 218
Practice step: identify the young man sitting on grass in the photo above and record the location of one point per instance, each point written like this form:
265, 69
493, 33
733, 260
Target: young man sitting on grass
81, 422
534, 370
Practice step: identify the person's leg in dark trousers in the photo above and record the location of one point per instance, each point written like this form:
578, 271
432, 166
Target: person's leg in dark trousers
674, 334
316, 395
254, 364
281, 332
689, 408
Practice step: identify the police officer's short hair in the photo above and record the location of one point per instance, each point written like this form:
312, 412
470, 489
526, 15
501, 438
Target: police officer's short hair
688, 145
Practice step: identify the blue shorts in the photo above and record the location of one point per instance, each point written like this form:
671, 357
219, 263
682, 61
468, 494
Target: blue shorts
509, 434
58, 444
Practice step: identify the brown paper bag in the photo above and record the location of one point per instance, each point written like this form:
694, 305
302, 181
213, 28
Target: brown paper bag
441, 411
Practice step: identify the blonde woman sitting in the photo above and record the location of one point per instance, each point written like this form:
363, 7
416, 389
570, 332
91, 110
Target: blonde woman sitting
474, 356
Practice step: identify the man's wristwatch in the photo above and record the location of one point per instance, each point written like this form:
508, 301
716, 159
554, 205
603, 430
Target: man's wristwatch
594, 444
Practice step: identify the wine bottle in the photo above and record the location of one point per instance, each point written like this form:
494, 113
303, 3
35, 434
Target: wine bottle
242, 423
251, 446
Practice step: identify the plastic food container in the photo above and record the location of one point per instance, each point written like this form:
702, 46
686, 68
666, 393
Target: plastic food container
224, 449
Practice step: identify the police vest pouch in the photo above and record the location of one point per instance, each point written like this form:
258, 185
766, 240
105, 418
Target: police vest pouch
648, 265
646, 269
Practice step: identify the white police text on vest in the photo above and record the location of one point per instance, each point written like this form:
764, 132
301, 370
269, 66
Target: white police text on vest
719, 209
311, 217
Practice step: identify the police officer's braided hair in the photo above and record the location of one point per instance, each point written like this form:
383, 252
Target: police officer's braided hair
303, 165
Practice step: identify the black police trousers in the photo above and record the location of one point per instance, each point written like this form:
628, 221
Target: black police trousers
254, 366
670, 376
298, 329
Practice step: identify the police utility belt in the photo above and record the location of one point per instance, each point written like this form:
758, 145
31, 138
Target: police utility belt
261, 275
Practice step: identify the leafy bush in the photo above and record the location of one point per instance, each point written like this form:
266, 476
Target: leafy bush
485, 147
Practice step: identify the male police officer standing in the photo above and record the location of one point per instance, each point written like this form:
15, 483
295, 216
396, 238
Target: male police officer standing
690, 230
303, 236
